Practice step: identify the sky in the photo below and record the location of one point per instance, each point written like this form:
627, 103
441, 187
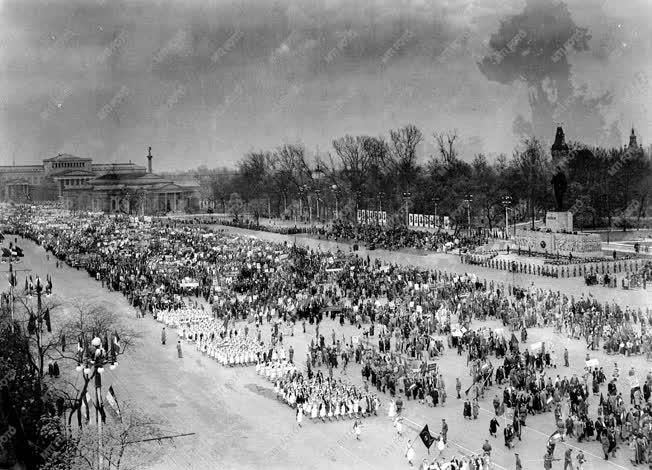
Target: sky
203, 82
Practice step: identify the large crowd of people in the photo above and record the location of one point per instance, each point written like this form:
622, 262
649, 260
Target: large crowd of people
394, 238
203, 282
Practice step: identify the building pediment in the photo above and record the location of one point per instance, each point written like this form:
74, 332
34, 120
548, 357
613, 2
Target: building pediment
168, 187
73, 174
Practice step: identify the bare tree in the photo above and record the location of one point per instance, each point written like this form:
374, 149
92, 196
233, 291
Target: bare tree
446, 144
355, 161
236, 205
403, 150
291, 160
34, 311
129, 441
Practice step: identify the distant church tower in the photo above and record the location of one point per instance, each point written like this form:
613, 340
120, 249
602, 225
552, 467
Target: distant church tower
632, 140
559, 149
149, 160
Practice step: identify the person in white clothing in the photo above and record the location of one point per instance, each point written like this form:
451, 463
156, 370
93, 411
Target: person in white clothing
357, 428
398, 424
392, 409
409, 452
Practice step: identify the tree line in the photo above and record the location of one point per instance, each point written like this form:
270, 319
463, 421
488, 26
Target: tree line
606, 187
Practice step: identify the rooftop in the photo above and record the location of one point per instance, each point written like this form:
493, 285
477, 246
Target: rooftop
65, 157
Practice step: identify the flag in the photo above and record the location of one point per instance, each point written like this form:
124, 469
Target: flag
31, 324
113, 402
84, 407
427, 438
12, 276
46, 317
99, 406
116, 343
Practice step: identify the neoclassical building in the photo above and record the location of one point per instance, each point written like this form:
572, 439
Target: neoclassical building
104, 187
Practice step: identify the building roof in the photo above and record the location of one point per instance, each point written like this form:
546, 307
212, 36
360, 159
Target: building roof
187, 183
109, 165
65, 157
131, 179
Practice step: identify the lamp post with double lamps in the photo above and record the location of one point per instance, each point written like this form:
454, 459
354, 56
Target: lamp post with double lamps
91, 360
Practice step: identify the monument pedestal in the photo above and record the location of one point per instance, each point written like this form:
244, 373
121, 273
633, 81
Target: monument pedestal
557, 237
559, 221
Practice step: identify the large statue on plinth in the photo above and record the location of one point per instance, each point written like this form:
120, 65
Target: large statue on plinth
559, 185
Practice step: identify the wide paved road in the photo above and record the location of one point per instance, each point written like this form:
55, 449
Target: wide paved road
240, 425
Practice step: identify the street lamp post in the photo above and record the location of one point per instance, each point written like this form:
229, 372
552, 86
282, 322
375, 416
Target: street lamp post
380, 206
468, 199
358, 195
507, 201
406, 196
317, 191
94, 358
436, 200
301, 189
334, 188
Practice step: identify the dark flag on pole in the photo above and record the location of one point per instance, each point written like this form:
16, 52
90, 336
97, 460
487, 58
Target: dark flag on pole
12, 276
100, 409
46, 317
427, 438
31, 324
84, 408
116, 343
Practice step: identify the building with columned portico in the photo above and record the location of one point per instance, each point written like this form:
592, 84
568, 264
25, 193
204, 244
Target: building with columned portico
81, 184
